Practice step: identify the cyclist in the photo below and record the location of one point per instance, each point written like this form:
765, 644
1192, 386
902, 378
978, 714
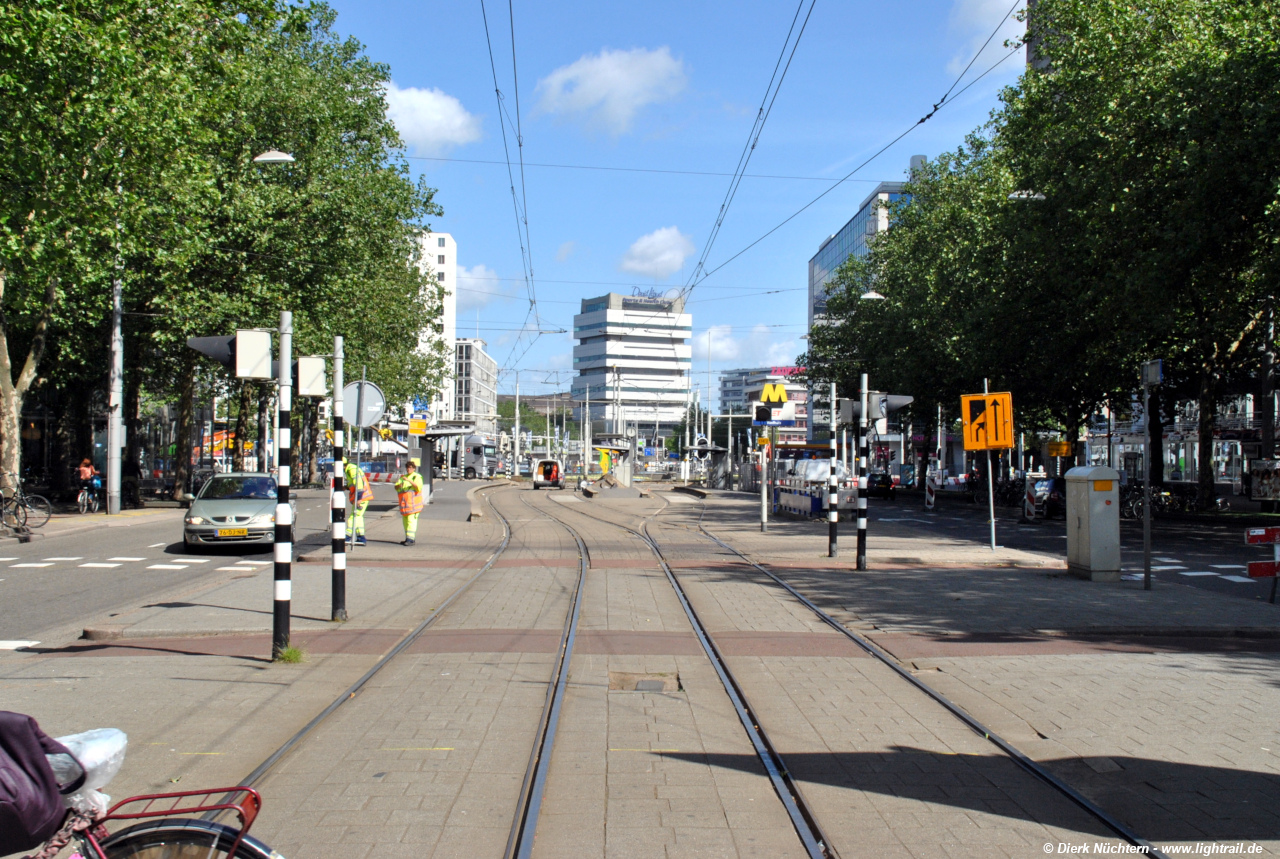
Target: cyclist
86, 472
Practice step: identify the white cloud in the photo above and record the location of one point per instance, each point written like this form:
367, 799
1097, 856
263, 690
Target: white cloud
609, 88
659, 254
972, 21
479, 286
430, 121
564, 251
759, 347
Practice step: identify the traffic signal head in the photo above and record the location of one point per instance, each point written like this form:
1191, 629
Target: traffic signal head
764, 413
246, 353
880, 406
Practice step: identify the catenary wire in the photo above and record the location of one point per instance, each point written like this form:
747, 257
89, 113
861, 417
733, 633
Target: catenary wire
628, 170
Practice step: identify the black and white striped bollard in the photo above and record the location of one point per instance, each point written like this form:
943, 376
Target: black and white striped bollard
862, 479
833, 486
284, 513
338, 500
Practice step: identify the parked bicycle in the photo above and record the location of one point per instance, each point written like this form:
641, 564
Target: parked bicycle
35, 508
88, 500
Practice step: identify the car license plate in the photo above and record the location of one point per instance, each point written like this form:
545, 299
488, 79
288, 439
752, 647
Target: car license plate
233, 532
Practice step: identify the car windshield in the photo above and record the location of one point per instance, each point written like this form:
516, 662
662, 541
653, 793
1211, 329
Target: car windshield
490, 450
225, 488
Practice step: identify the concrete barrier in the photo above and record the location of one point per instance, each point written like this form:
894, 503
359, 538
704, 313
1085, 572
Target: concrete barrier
477, 508
692, 490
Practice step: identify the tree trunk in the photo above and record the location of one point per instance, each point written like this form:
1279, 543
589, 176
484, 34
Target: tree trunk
132, 398
244, 405
313, 460
264, 426
186, 420
14, 390
1266, 405
1205, 423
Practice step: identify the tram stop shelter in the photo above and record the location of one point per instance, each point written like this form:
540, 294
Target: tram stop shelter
620, 450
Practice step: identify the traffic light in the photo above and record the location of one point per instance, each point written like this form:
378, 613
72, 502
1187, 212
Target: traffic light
880, 406
764, 413
247, 353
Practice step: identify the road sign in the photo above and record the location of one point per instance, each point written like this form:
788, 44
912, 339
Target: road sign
1262, 536
1264, 569
375, 404
1058, 448
418, 424
988, 421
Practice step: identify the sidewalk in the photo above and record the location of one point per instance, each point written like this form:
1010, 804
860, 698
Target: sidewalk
63, 524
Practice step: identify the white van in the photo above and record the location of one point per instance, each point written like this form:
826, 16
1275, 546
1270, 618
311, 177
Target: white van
548, 472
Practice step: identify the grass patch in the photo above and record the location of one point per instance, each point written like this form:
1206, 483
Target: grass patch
292, 655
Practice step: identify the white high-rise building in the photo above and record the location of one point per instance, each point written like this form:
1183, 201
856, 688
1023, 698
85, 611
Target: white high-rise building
633, 360
440, 257
476, 385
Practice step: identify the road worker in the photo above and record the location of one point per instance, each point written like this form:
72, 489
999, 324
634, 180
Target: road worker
409, 491
360, 493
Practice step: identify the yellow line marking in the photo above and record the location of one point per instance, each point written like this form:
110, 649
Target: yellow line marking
200, 753
420, 749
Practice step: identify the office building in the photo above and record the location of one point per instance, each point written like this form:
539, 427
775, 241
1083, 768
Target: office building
851, 240
440, 259
475, 385
633, 360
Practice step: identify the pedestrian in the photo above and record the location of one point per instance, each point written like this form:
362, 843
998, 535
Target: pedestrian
409, 491
360, 494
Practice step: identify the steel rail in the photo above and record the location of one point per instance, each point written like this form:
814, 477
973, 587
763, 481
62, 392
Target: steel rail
817, 845
525, 825
956, 710
275, 757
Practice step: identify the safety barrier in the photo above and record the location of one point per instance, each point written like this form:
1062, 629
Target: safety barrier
930, 492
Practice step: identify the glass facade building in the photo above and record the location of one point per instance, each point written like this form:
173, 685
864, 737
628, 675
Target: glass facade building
851, 240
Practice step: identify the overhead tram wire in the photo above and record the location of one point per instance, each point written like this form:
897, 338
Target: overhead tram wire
753, 137
628, 169
937, 107
521, 233
524, 196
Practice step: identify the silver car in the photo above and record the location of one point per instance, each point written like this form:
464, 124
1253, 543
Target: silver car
233, 509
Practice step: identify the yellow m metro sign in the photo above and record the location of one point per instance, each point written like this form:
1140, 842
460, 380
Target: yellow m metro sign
773, 393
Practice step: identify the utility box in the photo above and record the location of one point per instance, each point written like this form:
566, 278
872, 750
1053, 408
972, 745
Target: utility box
1093, 523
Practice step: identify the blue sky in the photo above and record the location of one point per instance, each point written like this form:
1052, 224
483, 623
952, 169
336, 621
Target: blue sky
673, 87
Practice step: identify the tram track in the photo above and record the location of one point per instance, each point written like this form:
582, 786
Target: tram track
816, 843
1021, 759
525, 817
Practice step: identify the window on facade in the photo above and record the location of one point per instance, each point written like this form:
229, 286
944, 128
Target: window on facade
440, 259
440, 275
440, 243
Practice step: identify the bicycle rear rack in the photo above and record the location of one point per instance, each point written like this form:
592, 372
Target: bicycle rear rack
244, 801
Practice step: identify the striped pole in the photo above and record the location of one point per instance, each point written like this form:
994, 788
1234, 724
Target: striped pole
284, 513
833, 488
930, 492
862, 479
338, 500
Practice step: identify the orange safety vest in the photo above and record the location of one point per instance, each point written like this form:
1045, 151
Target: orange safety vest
366, 491
410, 502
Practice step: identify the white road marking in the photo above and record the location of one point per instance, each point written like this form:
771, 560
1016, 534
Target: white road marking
253, 563
156, 545
195, 560
1184, 573
1134, 578
14, 645
31, 565
1169, 567
1241, 579
166, 566
100, 566
1229, 566
1169, 560
8, 559
76, 558
126, 559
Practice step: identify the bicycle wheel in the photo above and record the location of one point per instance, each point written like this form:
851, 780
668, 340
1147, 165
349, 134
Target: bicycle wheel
182, 839
94, 501
38, 510
82, 500
14, 515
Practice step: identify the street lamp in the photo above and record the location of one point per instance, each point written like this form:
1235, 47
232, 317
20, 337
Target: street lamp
274, 156
871, 295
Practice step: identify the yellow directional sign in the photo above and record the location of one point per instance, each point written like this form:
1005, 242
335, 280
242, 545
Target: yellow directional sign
773, 393
988, 421
417, 426
1059, 448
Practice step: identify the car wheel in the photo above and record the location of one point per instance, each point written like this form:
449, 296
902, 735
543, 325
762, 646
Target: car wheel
470, 474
